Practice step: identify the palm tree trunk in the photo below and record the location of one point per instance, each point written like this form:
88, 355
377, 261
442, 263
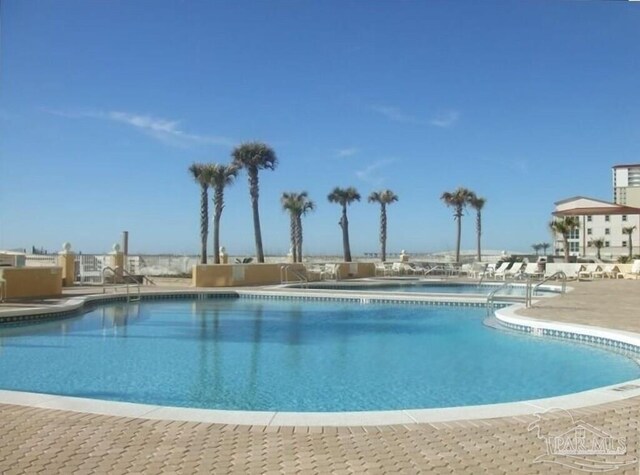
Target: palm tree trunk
299, 236
216, 236
218, 204
598, 252
630, 245
479, 232
565, 240
383, 232
204, 222
344, 224
292, 230
459, 236
254, 190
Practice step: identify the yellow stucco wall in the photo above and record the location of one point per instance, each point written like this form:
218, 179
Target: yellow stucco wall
231, 275
31, 282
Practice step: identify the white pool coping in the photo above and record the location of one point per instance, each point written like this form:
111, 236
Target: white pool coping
593, 397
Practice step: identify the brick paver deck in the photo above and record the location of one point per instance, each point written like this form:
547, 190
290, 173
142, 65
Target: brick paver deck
36, 440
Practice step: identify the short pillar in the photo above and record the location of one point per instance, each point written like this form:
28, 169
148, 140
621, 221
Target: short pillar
404, 257
67, 260
224, 257
290, 255
117, 263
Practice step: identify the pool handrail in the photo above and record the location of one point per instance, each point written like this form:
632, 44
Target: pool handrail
560, 274
126, 284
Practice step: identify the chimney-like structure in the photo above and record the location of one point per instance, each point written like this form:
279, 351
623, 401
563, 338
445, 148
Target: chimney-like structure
125, 243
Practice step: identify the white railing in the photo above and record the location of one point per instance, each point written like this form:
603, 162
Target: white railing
40, 260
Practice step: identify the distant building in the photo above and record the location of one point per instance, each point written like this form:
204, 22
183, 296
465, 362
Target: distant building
626, 185
598, 219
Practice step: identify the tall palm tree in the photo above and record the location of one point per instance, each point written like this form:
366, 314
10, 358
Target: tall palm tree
629, 230
253, 157
537, 248
221, 176
344, 197
545, 246
384, 197
290, 202
564, 227
201, 173
598, 243
458, 200
306, 205
477, 203
297, 204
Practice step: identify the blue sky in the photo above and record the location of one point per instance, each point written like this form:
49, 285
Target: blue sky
103, 106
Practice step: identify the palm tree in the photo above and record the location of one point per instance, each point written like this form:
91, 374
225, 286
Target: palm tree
291, 202
537, 248
297, 204
477, 203
629, 230
255, 156
306, 205
201, 173
545, 246
457, 200
344, 197
221, 176
564, 226
384, 197
598, 243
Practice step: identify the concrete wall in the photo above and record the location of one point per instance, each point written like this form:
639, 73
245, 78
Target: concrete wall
231, 275
32, 282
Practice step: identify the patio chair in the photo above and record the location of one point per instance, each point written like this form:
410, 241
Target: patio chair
514, 270
382, 269
635, 270
533, 271
587, 271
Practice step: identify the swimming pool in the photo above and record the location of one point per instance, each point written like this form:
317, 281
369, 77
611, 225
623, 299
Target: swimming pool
422, 287
294, 355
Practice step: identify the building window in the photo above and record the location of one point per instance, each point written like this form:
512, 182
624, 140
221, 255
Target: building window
624, 243
589, 218
589, 231
606, 244
590, 244
606, 218
607, 231
574, 247
574, 234
624, 217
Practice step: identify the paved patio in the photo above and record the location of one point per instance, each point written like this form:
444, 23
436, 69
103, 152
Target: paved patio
36, 440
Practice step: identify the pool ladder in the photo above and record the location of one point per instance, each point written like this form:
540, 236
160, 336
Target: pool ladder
124, 274
530, 290
284, 276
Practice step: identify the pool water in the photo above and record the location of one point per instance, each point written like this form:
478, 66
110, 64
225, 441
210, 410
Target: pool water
432, 288
253, 354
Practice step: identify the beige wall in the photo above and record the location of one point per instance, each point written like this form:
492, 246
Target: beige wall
31, 282
231, 275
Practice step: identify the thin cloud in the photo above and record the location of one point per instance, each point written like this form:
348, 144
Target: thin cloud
445, 119
397, 115
168, 131
347, 152
371, 174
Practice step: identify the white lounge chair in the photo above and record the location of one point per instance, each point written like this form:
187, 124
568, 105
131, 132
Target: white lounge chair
532, 270
635, 271
514, 270
500, 270
383, 269
587, 271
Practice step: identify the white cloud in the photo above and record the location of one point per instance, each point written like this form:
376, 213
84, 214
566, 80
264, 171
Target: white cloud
445, 119
347, 152
396, 115
371, 173
168, 131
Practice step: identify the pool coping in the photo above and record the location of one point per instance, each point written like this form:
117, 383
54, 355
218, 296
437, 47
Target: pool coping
506, 315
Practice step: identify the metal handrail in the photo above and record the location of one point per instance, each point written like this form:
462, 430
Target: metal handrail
284, 275
126, 284
144, 277
559, 274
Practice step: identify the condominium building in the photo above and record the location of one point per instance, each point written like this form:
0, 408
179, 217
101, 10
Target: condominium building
598, 219
626, 185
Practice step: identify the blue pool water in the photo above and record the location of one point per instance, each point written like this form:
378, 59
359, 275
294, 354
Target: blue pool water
431, 288
252, 354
